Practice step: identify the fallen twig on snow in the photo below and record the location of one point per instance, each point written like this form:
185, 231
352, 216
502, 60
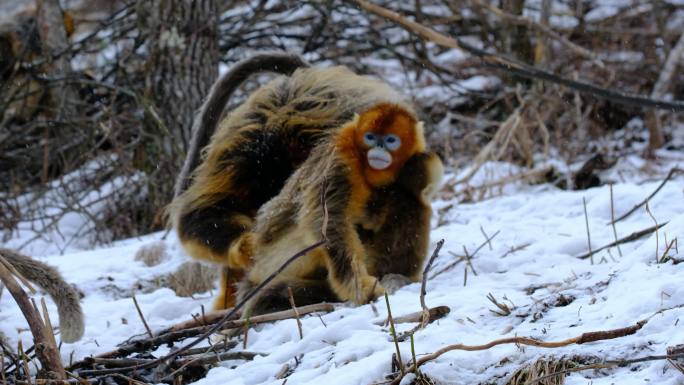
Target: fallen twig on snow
631, 237
670, 174
677, 350
188, 361
581, 339
435, 313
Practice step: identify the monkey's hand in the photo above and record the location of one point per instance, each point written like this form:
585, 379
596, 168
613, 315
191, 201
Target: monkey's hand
369, 289
347, 272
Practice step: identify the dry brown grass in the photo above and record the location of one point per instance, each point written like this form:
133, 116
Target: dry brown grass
192, 278
152, 254
534, 373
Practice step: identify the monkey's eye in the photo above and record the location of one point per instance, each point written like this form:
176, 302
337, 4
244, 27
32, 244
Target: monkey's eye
369, 139
392, 142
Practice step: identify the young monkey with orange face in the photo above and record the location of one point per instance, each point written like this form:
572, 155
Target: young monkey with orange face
347, 192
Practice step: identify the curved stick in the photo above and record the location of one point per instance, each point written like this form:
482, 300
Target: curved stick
47, 352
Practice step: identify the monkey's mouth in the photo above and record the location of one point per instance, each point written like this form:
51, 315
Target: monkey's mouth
379, 159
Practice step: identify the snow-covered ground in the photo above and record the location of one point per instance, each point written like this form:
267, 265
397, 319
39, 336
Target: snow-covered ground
552, 294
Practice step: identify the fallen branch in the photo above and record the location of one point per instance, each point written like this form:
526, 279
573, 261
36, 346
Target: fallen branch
631, 237
190, 361
208, 331
435, 313
47, 352
215, 316
204, 320
175, 333
581, 339
677, 350
516, 67
672, 172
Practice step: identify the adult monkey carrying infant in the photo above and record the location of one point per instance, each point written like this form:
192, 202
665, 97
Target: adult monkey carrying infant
313, 153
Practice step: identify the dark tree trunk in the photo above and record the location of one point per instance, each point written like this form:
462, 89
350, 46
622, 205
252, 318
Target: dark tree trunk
182, 65
517, 38
59, 133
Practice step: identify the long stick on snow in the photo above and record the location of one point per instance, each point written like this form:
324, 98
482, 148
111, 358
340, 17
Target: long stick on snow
581, 339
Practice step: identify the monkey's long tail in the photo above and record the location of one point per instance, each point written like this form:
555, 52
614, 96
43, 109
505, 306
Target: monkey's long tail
48, 278
209, 114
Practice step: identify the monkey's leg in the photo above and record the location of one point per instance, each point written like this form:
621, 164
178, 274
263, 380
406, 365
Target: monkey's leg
218, 234
215, 216
227, 288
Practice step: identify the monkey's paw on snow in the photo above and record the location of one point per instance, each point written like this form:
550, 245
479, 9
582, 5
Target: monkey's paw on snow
394, 282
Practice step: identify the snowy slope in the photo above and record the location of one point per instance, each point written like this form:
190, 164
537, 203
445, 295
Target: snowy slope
349, 348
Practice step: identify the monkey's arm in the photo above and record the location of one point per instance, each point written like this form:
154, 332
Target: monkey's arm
66, 297
422, 175
337, 208
400, 244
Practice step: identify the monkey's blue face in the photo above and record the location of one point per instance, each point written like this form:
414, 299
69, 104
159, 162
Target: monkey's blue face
380, 147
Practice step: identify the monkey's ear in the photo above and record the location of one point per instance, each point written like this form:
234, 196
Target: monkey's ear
420, 136
434, 171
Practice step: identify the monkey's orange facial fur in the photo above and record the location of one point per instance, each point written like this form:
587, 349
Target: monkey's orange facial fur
373, 132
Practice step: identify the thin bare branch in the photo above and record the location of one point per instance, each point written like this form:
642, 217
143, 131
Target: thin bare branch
515, 67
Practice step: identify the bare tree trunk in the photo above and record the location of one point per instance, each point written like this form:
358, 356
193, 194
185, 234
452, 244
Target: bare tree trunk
53, 36
517, 39
54, 40
656, 138
182, 65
